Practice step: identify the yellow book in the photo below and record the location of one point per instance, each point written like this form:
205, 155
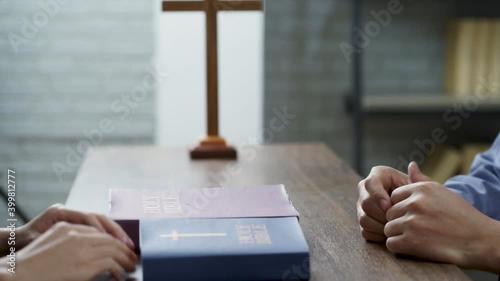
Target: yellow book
469, 151
494, 66
444, 163
451, 53
480, 55
462, 64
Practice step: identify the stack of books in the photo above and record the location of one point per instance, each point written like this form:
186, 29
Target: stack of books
447, 161
249, 233
473, 57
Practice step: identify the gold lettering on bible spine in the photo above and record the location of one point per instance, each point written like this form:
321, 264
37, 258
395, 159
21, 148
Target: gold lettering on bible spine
166, 204
172, 204
151, 204
253, 234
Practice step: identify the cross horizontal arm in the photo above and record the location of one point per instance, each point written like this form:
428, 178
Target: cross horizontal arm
239, 5
183, 6
220, 5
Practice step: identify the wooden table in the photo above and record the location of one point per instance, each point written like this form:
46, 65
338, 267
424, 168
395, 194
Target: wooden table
321, 186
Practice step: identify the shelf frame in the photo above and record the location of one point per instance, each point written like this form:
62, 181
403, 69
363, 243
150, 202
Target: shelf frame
357, 91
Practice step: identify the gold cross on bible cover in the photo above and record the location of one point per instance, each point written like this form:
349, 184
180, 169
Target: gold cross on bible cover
176, 235
212, 146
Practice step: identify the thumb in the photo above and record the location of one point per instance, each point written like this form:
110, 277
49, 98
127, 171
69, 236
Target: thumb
415, 174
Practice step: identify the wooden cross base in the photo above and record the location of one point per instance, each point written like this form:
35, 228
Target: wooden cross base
213, 148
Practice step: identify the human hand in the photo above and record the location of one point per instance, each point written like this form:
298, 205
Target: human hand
73, 252
427, 220
374, 197
59, 213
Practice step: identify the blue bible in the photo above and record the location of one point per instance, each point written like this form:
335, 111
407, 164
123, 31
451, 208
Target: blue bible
223, 249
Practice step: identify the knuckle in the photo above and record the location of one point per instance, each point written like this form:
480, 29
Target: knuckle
375, 169
361, 184
388, 215
365, 234
412, 224
423, 188
364, 220
365, 204
103, 219
392, 245
368, 181
55, 208
91, 218
415, 205
87, 214
372, 185
369, 236
113, 242
363, 195
100, 216
359, 212
73, 236
387, 229
412, 205
62, 226
378, 169
395, 195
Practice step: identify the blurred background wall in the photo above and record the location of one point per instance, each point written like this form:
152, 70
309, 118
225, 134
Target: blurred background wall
306, 69
181, 106
77, 64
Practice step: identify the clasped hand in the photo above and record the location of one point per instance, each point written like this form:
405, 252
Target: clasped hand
415, 216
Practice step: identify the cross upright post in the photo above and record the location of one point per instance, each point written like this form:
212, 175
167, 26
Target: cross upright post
212, 146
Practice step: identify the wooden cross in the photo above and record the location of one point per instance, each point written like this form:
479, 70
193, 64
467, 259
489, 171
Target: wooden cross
212, 146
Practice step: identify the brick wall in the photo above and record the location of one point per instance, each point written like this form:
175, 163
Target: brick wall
306, 69
79, 65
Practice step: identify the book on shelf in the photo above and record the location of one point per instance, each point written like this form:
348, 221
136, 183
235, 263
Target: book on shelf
128, 206
480, 55
469, 152
472, 56
460, 45
447, 161
451, 67
224, 249
442, 164
494, 67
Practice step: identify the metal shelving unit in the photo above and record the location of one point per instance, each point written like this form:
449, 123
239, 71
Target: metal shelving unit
422, 105
356, 95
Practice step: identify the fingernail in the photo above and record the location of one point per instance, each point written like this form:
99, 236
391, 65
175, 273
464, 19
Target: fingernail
125, 239
134, 255
130, 242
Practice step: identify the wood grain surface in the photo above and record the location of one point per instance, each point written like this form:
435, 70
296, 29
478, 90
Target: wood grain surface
321, 186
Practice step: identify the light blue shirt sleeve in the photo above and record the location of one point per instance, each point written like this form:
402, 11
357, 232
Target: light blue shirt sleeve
481, 187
